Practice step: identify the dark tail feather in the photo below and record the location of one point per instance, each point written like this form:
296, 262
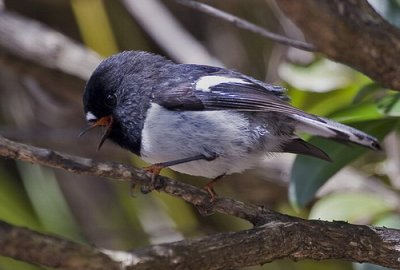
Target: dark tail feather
298, 146
323, 127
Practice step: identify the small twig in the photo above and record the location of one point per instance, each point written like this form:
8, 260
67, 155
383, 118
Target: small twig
247, 25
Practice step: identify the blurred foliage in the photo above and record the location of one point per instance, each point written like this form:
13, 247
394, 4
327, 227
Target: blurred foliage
103, 213
94, 25
309, 174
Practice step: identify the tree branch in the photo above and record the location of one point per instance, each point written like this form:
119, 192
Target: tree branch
274, 235
247, 25
36, 248
350, 32
297, 239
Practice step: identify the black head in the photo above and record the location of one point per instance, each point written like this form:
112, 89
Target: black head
117, 96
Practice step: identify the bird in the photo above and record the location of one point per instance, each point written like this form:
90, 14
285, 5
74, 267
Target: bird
200, 120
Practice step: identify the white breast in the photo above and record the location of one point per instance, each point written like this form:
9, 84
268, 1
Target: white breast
172, 135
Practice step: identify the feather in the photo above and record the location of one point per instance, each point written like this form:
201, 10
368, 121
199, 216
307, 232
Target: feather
323, 127
299, 146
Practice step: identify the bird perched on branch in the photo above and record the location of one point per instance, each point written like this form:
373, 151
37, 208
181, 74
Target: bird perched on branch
200, 120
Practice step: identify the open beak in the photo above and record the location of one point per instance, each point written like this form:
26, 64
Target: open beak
106, 121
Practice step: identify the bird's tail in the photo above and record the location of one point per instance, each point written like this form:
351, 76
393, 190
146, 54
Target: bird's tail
323, 127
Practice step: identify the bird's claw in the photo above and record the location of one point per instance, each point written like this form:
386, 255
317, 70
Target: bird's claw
210, 190
156, 182
154, 169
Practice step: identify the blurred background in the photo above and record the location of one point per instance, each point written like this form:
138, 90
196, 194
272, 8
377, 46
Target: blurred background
48, 48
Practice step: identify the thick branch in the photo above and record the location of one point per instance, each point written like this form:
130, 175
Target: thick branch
26, 245
350, 32
296, 239
275, 235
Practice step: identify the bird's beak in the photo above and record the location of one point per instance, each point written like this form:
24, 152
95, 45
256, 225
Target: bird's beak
106, 121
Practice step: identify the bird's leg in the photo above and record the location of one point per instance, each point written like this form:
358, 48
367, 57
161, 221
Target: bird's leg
156, 182
156, 168
209, 187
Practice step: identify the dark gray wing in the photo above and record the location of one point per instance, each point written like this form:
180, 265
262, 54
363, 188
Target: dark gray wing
223, 90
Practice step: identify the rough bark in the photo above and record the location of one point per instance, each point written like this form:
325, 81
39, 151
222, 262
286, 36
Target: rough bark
352, 33
36, 248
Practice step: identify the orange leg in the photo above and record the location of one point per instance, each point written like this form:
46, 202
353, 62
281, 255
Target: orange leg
155, 169
209, 187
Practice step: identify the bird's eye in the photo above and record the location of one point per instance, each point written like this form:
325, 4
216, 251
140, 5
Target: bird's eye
110, 100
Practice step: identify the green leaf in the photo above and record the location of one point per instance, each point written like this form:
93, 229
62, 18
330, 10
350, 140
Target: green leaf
327, 102
351, 207
321, 76
309, 174
9, 263
391, 220
14, 203
48, 201
92, 15
366, 91
358, 113
390, 105
368, 266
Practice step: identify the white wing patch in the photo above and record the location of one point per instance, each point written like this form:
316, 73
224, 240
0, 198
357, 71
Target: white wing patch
206, 82
90, 117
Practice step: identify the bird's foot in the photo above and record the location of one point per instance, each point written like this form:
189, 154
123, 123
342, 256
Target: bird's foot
156, 182
209, 187
154, 169
206, 207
